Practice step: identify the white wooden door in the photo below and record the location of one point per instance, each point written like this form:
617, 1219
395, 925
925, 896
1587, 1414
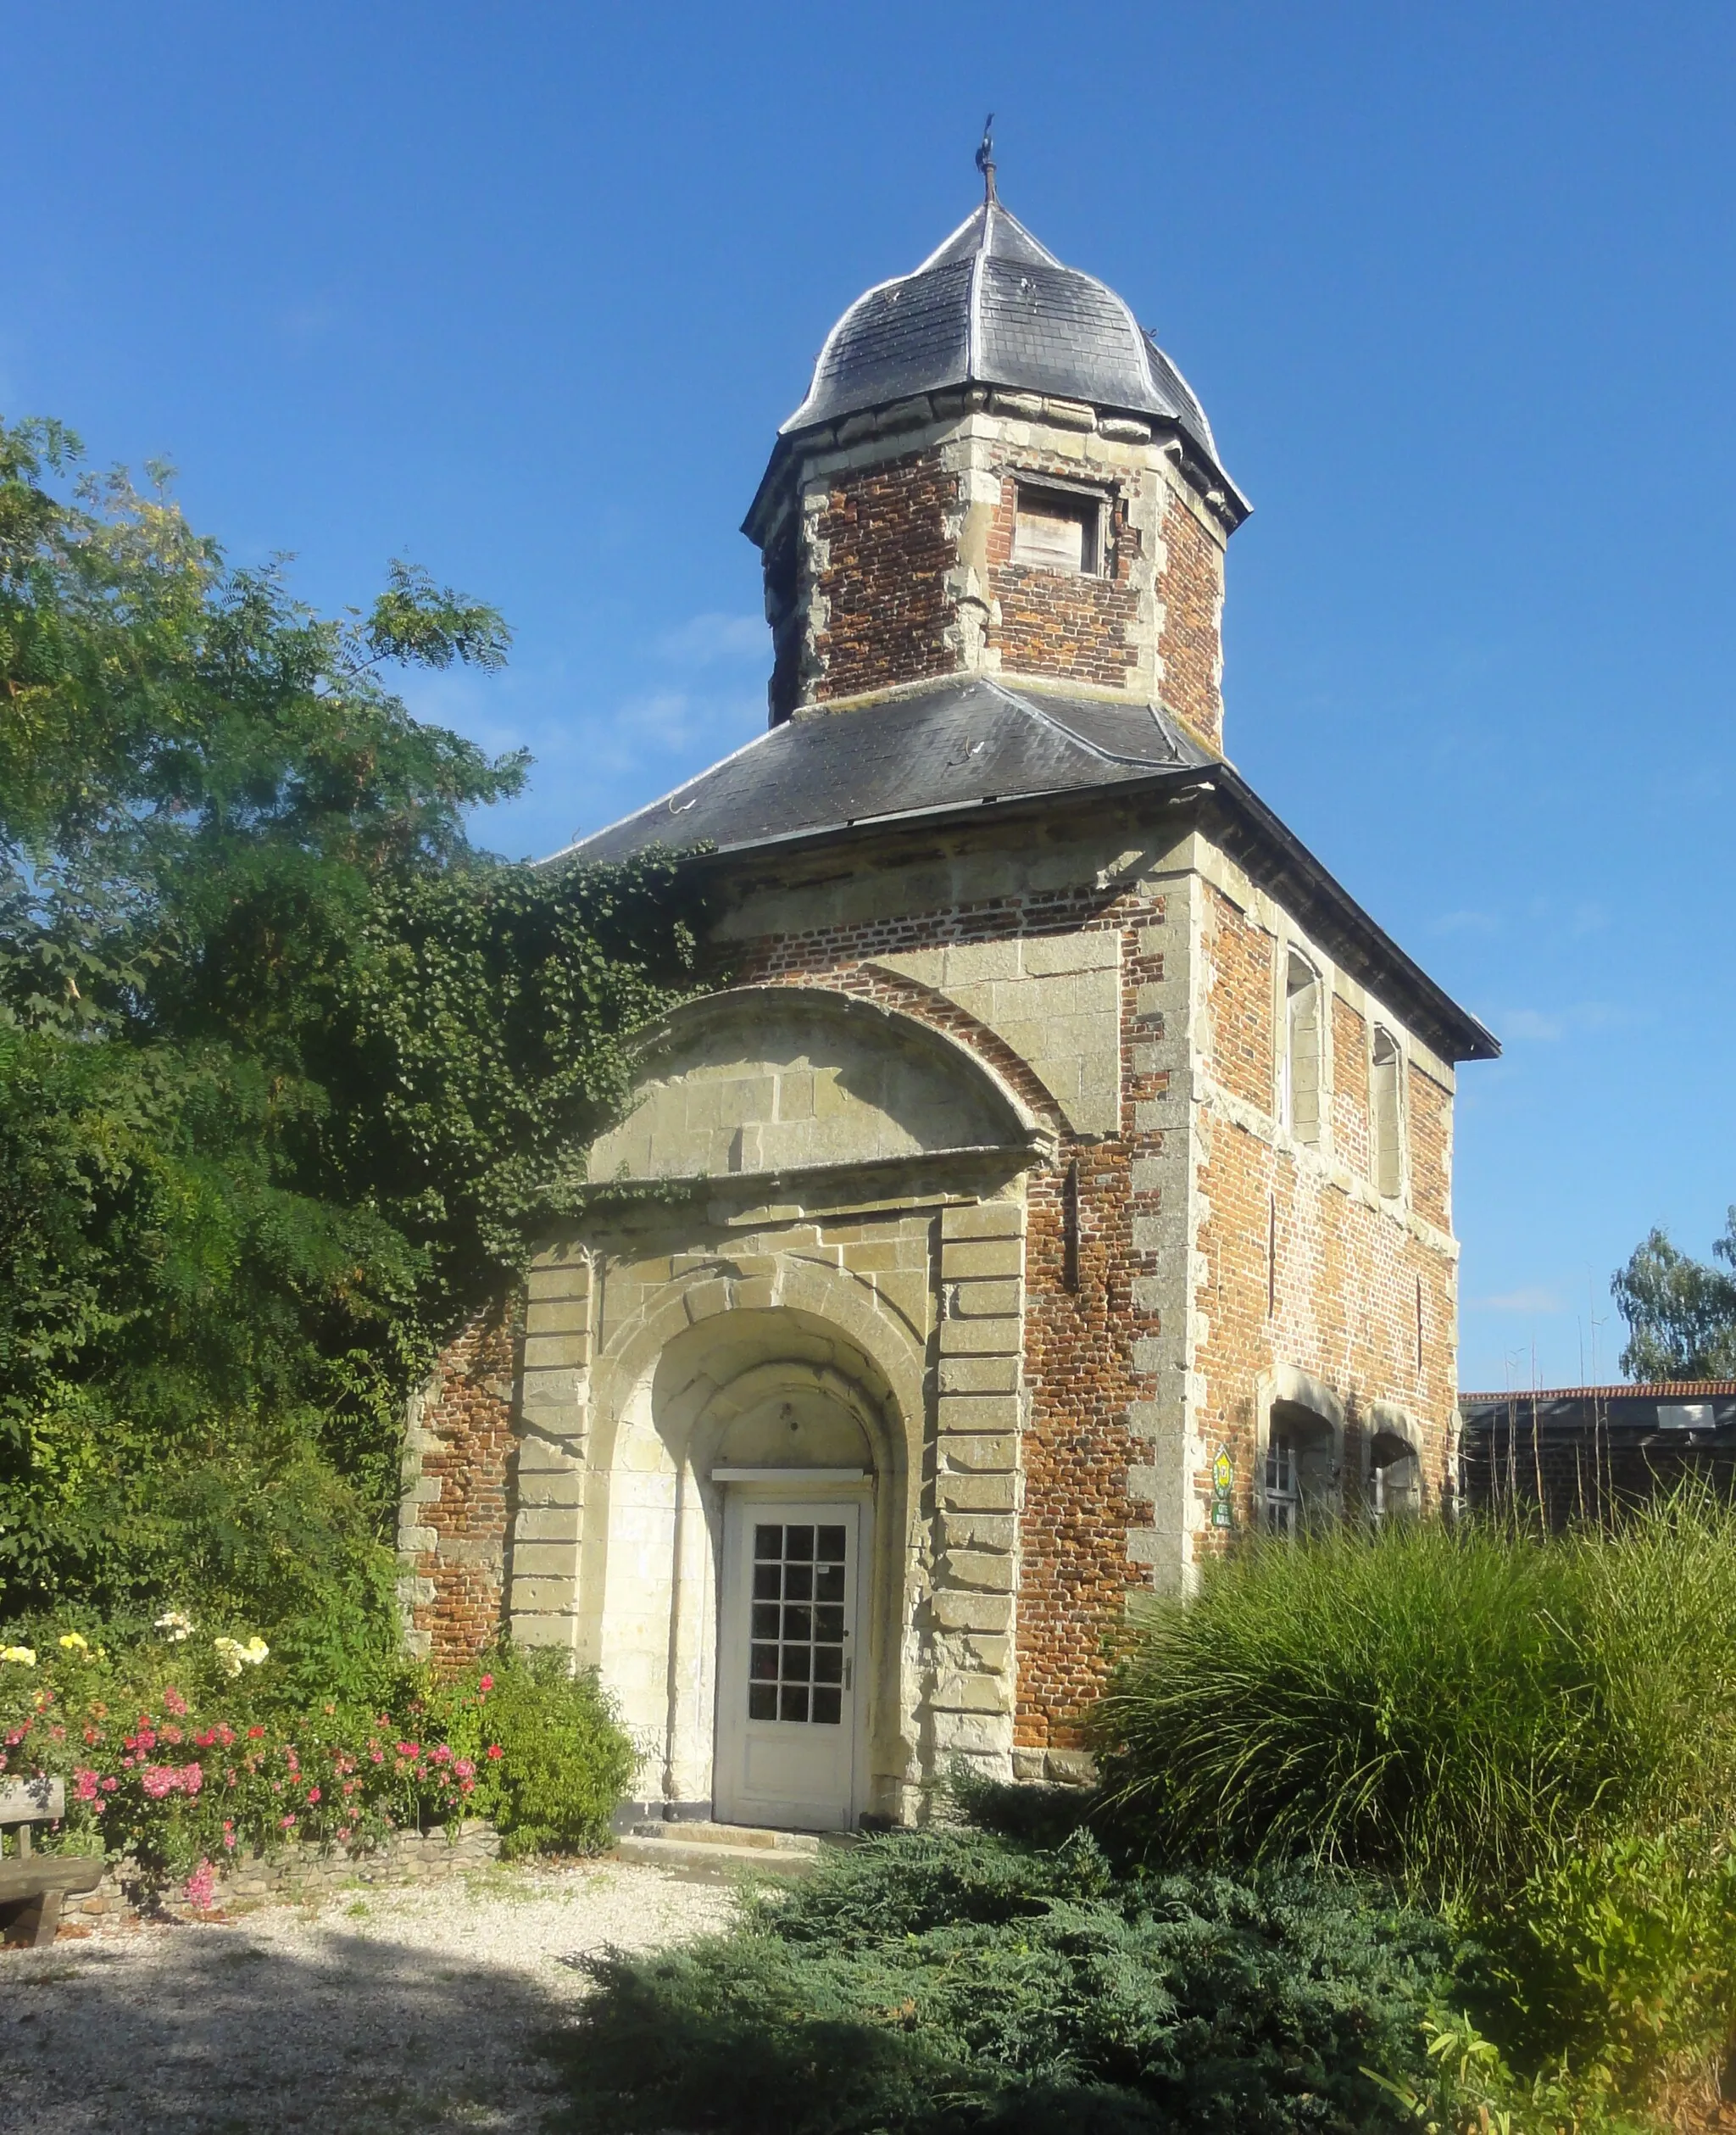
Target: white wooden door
789, 1636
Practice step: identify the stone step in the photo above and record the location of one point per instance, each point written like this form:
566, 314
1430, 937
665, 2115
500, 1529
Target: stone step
737, 1836
706, 1857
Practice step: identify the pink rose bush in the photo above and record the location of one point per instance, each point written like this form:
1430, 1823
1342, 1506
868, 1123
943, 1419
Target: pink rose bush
177, 1783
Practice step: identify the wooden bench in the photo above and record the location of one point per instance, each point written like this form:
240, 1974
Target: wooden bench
32, 1885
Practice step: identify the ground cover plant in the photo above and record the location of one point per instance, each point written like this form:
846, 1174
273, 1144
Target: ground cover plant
1534, 1736
962, 1980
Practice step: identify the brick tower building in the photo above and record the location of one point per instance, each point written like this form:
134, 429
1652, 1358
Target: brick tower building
1057, 1180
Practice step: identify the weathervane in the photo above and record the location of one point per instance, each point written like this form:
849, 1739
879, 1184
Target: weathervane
985, 161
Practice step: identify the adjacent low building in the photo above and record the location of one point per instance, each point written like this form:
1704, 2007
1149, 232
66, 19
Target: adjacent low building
1581, 1452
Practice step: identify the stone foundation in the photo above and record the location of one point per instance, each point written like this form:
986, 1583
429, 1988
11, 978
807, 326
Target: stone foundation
124, 1899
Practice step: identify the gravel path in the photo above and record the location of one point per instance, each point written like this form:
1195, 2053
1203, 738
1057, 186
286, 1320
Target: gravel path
393, 2011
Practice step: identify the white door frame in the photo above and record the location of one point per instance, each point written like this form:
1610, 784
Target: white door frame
745, 1492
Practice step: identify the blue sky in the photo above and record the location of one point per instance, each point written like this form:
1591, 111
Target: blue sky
522, 293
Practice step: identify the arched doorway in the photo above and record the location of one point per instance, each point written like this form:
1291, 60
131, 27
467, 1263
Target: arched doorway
795, 1465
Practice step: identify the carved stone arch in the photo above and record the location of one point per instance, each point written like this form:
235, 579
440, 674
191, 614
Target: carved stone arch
765, 1080
929, 1005
662, 1387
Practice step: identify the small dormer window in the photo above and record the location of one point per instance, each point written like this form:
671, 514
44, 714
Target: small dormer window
1058, 531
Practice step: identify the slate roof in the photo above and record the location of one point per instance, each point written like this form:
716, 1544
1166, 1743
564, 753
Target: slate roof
993, 306
955, 744
971, 744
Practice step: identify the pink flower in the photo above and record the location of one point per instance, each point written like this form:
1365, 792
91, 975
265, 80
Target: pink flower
409, 1749
201, 1886
229, 1834
84, 1785
254, 1733
173, 1702
495, 1752
485, 1685
158, 1780
441, 1756
464, 1768
378, 1756
287, 1823
109, 1786
193, 1777
312, 1796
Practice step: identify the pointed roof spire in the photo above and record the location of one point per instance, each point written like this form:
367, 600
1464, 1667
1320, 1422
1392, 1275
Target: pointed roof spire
985, 163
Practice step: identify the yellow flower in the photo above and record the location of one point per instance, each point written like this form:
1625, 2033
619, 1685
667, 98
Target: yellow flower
19, 1656
75, 1641
232, 1656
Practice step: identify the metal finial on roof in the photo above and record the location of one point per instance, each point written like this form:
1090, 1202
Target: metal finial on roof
985, 161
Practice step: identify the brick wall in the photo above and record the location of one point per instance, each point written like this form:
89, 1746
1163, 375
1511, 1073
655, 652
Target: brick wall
1053, 622
1301, 1267
886, 550
1239, 962
1352, 1129
1190, 645
1430, 1113
885, 572
458, 1468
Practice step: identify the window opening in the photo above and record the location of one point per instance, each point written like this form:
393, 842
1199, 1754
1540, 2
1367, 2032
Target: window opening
1299, 1092
1396, 1480
796, 1666
1283, 1483
1384, 1114
1057, 531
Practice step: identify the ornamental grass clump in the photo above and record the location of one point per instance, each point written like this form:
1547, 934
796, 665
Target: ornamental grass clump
1534, 1735
1456, 1707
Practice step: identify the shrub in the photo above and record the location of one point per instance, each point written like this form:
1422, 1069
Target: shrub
566, 1760
1537, 1735
1455, 1709
184, 1748
953, 1980
175, 1780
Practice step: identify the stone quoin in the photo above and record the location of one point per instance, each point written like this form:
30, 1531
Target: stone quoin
1057, 1181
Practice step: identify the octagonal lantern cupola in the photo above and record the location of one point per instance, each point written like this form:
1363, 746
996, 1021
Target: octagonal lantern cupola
996, 471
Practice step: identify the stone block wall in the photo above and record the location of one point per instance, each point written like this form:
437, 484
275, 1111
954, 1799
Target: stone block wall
292, 1874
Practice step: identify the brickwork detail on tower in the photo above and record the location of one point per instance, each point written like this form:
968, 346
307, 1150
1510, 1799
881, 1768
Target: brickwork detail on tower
1076, 627
880, 552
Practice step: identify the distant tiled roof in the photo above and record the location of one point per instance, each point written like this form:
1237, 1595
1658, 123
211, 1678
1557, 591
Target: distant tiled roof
1657, 1390
964, 746
1676, 1408
994, 307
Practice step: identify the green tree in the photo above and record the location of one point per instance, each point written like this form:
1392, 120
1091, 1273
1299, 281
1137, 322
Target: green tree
1681, 1312
288, 1070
